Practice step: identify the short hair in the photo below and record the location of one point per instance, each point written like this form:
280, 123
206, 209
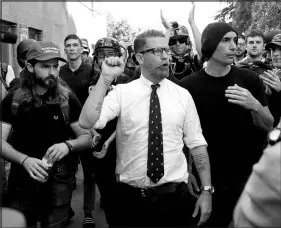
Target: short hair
140, 40
240, 36
74, 37
254, 33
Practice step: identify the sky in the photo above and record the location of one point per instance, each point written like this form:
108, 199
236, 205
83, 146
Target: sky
143, 15
146, 15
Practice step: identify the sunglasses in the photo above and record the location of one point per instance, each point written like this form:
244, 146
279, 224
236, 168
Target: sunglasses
181, 40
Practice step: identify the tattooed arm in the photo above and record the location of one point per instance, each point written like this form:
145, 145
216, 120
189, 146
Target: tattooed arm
201, 160
204, 202
111, 68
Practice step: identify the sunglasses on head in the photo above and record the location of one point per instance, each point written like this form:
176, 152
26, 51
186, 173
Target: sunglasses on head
181, 40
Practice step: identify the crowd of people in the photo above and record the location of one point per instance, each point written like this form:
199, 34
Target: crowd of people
149, 124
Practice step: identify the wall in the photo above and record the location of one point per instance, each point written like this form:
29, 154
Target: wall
52, 18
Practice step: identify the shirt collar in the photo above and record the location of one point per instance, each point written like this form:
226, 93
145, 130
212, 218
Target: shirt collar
148, 83
81, 67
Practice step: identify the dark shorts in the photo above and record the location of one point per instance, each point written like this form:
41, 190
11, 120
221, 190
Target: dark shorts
48, 203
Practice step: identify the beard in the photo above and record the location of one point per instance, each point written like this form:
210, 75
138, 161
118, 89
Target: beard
160, 72
51, 82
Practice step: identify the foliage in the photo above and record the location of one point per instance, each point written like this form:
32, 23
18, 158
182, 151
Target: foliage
252, 15
120, 30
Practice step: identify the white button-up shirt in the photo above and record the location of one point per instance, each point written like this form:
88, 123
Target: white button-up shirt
180, 122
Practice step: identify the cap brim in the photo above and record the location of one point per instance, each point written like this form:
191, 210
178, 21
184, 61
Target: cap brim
45, 58
271, 44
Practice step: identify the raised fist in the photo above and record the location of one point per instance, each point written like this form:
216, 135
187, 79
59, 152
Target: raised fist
112, 67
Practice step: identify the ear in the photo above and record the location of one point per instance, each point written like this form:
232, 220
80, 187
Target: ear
65, 51
30, 68
139, 58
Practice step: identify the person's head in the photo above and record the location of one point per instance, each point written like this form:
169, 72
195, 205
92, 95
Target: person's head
43, 64
124, 54
86, 49
85, 54
152, 53
255, 41
73, 47
179, 40
275, 49
84, 42
268, 38
241, 46
106, 47
219, 41
22, 49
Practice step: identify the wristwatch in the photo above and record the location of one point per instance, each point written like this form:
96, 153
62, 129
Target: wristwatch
274, 136
209, 189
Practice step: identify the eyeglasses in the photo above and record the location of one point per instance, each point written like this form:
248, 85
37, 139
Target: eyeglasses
102, 54
157, 51
181, 40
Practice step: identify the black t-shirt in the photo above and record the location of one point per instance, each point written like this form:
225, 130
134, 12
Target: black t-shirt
234, 142
36, 130
79, 80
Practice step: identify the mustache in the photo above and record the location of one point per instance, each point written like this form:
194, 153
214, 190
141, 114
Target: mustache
51, 77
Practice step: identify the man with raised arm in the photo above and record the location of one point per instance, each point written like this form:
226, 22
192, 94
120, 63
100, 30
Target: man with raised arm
155, 118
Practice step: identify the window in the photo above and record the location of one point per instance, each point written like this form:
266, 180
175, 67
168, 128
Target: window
6, 49
35, 34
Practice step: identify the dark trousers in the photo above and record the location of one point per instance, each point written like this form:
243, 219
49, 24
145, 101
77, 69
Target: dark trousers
104, 170
165, 210
89, 185
47, 202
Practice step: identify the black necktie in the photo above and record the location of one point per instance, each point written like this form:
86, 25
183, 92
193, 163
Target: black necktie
155, 161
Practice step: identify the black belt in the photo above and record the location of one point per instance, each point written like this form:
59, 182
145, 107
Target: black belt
151, 192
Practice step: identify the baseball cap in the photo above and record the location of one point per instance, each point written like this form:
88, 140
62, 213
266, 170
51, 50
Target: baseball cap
43, 51
86, 49
276, 41
84, 43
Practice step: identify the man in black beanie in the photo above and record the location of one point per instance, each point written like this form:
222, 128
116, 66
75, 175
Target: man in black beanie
234, 116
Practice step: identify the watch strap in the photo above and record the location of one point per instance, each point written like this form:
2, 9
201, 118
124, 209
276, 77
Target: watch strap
70, 147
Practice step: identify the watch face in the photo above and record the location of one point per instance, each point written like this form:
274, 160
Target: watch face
274, 134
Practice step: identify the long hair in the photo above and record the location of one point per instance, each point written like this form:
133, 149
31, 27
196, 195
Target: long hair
29, 97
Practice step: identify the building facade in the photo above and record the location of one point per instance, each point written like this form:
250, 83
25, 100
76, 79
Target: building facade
42, 21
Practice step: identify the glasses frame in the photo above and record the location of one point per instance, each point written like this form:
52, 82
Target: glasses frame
106, 56
153, 51
181, 40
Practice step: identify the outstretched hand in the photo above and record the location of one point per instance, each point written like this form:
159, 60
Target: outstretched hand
164, 21
272, 79
191, 13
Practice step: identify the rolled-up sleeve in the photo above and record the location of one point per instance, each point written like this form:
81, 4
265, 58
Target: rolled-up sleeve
193, 136
111, 107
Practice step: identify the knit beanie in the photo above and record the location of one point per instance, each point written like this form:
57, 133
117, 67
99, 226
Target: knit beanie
211, 37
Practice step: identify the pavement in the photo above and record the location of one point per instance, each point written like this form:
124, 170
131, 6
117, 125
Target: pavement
77, 205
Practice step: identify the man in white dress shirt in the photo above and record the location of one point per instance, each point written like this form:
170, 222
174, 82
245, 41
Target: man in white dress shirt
155, 118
